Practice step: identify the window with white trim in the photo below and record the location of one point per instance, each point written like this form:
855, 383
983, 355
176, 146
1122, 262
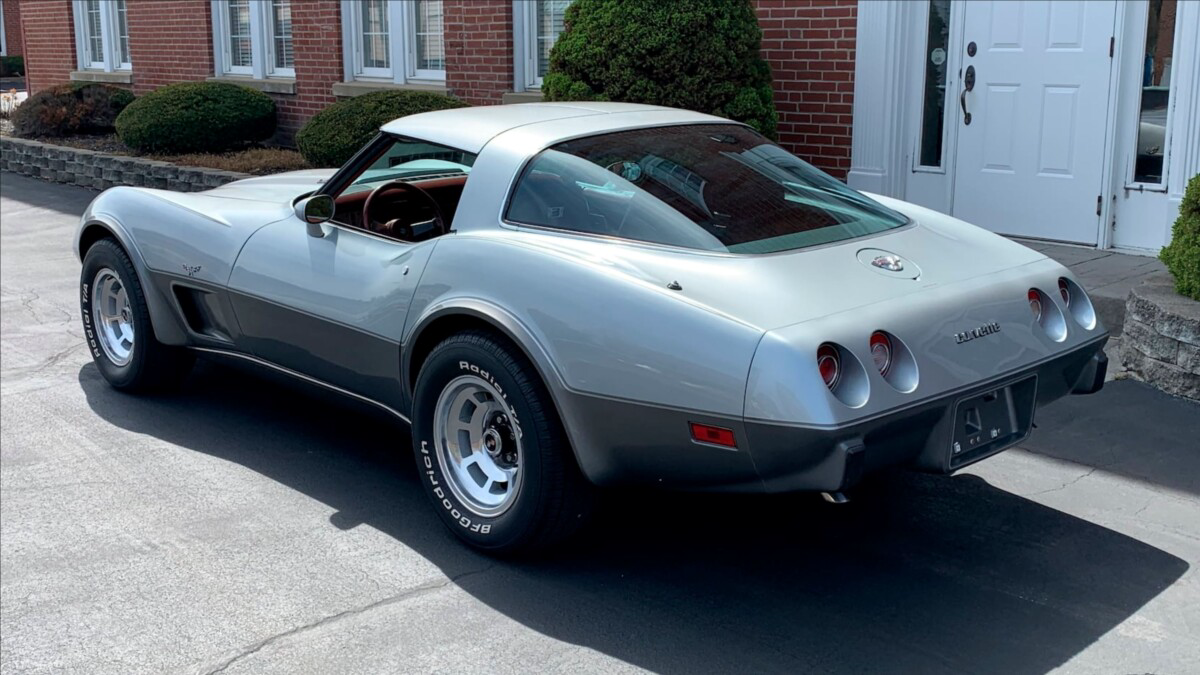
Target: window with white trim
253, 38
394, 41
3, 42
102, 35
536, 27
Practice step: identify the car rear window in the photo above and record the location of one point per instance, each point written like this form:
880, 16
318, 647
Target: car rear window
713, 187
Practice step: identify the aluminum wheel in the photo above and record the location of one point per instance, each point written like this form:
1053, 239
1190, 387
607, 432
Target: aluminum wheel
478, 445
112, 316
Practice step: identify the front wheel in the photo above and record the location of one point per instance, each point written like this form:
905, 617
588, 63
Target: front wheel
492, 451
116, 324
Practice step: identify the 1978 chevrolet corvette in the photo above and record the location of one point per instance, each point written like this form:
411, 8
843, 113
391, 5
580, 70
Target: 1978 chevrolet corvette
565, 296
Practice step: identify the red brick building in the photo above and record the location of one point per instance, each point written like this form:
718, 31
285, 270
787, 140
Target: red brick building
1084, 125
308, 53
10, 28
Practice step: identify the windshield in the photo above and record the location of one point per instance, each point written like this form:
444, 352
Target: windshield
714, 187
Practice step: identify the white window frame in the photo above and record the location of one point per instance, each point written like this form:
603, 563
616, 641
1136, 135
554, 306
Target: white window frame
109, 37
3, 37
262, 42
525, 46
1129, 180
402, 46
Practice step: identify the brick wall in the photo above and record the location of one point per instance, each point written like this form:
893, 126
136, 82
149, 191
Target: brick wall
317, 44
49, 39
808, 43
810, 46
12, 28
169, 41
479, 49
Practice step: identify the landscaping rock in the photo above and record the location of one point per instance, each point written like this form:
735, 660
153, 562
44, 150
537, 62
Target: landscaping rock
101, 171
1161, 342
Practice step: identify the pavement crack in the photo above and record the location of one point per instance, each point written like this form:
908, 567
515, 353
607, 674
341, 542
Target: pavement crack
402, 596
1065, 485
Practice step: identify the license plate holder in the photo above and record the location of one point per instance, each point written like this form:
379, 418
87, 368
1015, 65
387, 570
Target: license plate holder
990, 421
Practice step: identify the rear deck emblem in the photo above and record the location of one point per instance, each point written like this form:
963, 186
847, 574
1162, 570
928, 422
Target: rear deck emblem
985, 329
891, 263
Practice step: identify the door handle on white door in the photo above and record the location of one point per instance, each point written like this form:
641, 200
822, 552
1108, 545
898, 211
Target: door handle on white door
968, 85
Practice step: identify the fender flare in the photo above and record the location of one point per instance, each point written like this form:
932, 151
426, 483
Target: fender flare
525, 340
163, 317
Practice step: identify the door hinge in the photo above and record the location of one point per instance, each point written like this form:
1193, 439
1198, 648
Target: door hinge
1112, 45
1099, 201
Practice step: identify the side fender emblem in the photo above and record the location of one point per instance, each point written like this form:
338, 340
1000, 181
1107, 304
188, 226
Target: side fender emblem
190, 270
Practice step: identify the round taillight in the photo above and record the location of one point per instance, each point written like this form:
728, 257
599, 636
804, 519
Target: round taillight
1035, 304
1065, 291
829, 364
881, 352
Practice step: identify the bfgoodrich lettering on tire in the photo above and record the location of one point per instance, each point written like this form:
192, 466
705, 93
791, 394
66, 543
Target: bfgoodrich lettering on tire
116, 324
492, 453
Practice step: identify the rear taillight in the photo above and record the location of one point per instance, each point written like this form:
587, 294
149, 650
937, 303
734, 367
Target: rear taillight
881, 352
829, 364
1065, 291
1035, 304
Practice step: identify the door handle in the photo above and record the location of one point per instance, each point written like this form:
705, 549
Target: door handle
968, 85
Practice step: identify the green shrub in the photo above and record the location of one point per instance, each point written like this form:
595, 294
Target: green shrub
333, 135
696, 54
70, 109
1182, 257
196, 117
12, 66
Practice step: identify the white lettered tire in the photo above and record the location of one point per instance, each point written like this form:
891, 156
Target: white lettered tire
116, 324
491, 450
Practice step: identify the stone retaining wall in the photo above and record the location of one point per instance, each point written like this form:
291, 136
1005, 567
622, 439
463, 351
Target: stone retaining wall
100, 170
1161, 342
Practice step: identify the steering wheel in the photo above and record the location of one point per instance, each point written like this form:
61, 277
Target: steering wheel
396, 227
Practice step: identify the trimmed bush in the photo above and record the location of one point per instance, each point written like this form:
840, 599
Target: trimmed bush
70, 109
696, 54
333, 135
197, 117
1182, 257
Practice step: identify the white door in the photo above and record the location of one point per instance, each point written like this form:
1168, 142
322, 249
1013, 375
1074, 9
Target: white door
1030, 160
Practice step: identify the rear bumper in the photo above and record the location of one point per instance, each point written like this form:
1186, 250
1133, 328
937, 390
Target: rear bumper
627, 443
793, 458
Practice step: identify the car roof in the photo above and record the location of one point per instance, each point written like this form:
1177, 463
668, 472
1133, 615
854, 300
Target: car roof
471, 128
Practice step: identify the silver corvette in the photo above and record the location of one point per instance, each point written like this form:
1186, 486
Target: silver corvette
564, 296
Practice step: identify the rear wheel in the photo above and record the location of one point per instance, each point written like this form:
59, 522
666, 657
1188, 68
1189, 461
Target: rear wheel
493, 453
116, 324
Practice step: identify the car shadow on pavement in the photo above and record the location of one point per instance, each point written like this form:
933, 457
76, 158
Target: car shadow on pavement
920, 573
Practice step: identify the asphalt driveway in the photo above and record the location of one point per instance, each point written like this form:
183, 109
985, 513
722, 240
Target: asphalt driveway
249, 525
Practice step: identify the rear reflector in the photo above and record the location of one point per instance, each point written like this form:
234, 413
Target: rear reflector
703, 433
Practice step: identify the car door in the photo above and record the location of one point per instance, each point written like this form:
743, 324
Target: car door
330, 307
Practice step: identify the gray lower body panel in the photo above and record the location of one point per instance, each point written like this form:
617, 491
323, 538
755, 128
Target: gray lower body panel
629, 443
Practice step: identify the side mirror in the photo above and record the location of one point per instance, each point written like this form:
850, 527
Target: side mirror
313, 211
